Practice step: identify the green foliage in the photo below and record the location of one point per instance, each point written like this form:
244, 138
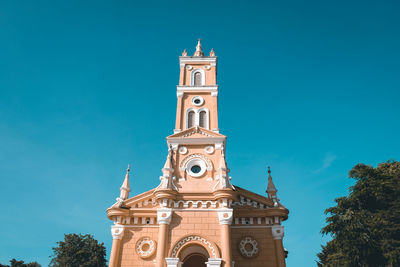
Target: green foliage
79, 251
365, 225
15, 263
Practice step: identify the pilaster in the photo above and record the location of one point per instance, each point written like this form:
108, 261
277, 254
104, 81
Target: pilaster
173, 262
117, 232
225, 217
164, 216
214, 262
277, 234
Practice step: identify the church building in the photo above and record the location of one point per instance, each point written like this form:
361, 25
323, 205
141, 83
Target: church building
196, 216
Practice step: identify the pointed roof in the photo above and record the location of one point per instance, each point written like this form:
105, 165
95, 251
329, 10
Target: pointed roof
199, 50
212, 52
222, 164
168, 162
271, 187
125, 189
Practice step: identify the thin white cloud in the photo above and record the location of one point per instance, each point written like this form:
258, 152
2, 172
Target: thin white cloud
328, 160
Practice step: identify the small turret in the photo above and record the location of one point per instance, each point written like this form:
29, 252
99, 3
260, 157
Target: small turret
271, 189
167, 180
168, 168
125, 189
199, 50
223, 173
212, 52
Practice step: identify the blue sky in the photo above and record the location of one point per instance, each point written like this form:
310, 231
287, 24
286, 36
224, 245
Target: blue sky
310, 88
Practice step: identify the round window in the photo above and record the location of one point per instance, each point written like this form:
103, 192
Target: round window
197, 101
196, 167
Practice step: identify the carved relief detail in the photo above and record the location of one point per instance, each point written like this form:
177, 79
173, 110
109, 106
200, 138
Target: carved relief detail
249, 202
248, 247
145, 247
194, 238
195, 203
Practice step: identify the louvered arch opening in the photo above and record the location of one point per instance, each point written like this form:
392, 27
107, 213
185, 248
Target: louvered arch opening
191, 119
203, 119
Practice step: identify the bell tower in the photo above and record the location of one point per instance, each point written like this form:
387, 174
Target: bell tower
197, 91
196, 158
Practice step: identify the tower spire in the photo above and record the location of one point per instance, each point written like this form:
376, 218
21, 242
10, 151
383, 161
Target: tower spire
271, 190
167, 180
223, 173
125, 189
199, 49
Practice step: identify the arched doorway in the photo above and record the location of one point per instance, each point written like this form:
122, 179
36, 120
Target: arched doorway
195, 260
194, 256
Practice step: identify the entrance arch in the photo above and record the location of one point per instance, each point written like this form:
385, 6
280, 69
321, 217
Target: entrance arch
191, 240
194, 251
194, 256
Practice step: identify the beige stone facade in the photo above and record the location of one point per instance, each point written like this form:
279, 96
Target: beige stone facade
196, 217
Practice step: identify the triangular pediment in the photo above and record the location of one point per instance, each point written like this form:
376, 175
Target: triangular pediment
248, 199
143, 200
196, 132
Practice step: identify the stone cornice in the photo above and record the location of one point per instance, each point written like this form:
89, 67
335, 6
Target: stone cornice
187, 88
111, 212
269, 212
187, 60
200, 140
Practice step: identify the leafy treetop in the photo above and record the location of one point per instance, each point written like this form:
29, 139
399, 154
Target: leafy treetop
365, 225
79, 251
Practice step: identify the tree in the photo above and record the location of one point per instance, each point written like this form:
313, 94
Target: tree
79, 251
15, 263
365, 225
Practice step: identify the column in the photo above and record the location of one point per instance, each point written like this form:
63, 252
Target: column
179, 123
214, 262
225, 219
277, 234
164, 217
173, 262
117, 232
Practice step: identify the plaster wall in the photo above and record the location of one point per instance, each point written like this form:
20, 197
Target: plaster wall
266, 255
128, 256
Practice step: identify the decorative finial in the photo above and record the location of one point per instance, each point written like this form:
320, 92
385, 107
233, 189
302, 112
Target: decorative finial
212, 53
184, 53
199, 49
129, 168
269, 171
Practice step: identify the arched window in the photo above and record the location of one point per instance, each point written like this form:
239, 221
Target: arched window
197, 79
191, 119
203, 119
